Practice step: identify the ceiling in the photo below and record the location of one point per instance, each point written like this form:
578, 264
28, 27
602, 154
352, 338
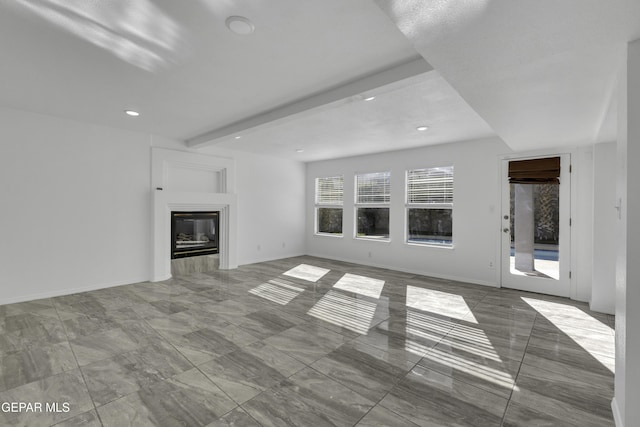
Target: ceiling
355, 126
539, 73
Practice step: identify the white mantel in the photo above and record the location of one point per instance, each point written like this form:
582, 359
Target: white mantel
171, 172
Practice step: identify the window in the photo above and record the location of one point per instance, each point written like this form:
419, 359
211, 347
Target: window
329, 194
430, 206
372, 205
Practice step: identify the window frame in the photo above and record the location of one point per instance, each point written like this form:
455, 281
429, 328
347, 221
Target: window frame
371, 205
320, 205
428, 206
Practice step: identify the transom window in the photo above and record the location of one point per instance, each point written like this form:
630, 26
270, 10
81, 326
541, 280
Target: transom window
329, 200
373, 196
429, 206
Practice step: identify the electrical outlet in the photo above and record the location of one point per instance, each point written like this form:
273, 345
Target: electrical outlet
490, 264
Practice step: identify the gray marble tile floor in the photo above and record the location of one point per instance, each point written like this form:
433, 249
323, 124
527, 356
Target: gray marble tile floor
306, 341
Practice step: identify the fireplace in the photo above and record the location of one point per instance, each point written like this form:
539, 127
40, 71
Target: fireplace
194, 234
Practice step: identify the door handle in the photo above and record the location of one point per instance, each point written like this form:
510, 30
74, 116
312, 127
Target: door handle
506, 230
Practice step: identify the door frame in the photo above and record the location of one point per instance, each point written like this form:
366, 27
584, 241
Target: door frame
567, 158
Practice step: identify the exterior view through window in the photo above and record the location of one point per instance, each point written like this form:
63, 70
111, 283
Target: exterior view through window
534, 216
329, 200
373, 196
430, 206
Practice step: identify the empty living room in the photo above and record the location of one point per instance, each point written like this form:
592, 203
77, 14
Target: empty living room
319, 213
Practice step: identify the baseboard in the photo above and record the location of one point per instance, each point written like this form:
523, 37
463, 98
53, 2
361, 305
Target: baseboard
411, 271
617, 417
63, 292
256, 261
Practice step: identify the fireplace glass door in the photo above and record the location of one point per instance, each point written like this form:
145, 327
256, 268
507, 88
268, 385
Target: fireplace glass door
194, 234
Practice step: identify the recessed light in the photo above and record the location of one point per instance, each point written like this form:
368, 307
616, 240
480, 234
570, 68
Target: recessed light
131, 113
371, 98
299, 150
240, 25
422, 128
237, 137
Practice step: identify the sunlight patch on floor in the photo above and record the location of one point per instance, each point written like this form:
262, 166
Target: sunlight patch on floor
349, 312
459, 363
423, 331
423, 324
575, 323
362, 285
472, 340
307, 272
438, 302
277, 291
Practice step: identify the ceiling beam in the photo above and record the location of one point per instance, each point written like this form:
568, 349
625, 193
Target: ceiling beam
410, 68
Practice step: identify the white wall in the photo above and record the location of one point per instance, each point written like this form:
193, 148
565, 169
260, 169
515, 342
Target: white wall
64, 183
605, 217
619, 400
627, 381
75, 206
632, 307
476, 214
183, 179
582, 223
271, 206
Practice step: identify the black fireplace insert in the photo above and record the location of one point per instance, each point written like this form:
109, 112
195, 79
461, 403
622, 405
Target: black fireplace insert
194, 234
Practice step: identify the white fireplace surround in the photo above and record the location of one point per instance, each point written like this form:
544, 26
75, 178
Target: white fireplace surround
166, 199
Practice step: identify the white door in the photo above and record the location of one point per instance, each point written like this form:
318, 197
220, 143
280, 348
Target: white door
535, 233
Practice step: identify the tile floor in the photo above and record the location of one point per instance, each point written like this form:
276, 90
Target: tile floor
306, 342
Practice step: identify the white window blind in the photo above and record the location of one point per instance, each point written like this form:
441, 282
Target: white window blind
373, 188
330, 190
430, 186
